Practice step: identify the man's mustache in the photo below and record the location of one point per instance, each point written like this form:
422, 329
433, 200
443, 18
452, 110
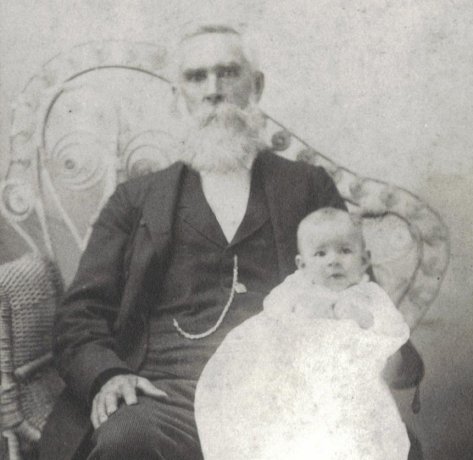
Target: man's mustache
226, 114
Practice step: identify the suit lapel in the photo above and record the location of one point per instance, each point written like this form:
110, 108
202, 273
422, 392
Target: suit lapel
195, 210
160, 204
257, 209
150, 242
286, 208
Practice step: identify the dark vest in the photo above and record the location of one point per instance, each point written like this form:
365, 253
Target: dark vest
198, 280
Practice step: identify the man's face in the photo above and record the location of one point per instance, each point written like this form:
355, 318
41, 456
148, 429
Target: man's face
333, 254
213, 70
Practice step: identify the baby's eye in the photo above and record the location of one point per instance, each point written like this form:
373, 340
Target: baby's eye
320, 254
346, 251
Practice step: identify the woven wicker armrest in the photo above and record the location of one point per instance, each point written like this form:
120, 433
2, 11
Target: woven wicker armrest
29, 289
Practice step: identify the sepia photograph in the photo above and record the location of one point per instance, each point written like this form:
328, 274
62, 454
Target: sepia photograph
236, 230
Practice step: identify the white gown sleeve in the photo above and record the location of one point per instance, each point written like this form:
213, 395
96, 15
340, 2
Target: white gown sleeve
389, 325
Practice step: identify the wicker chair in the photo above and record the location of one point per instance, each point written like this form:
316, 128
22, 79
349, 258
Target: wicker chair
87, 121
29, 289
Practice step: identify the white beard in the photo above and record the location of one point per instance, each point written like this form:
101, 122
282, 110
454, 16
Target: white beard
222, 139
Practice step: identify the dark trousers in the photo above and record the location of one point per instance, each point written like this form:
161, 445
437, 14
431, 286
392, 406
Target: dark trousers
152, 429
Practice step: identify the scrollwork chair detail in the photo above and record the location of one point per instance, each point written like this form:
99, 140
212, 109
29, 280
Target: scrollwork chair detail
89, 120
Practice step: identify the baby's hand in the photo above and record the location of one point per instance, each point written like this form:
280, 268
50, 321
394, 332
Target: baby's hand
345, 310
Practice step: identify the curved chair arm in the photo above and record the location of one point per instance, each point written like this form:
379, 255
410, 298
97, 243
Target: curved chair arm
375, 198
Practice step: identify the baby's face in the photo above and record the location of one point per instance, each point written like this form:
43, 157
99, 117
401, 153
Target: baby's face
332, 254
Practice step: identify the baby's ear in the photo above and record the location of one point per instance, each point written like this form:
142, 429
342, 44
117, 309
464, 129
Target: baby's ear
299, 262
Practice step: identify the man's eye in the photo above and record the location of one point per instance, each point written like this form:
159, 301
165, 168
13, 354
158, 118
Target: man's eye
196, 76
229, 72
319, 254
346, 251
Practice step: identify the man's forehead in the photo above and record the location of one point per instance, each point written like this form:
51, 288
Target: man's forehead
211, 49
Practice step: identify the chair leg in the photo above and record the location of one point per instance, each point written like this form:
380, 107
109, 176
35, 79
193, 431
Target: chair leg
13, 446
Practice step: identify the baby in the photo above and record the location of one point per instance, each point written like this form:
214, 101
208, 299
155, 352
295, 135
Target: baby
303, 379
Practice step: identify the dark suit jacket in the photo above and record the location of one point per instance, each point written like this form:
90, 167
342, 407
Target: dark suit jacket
99, 328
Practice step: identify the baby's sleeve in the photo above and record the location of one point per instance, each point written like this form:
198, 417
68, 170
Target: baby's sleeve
280, 301
298, 297
388, 320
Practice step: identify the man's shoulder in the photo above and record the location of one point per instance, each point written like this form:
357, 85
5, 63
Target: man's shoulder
270, 159
138, 188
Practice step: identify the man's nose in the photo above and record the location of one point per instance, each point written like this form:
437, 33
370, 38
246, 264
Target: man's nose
213, 91
214, 98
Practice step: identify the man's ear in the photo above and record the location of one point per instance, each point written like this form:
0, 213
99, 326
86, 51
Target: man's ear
299, 262
258, 85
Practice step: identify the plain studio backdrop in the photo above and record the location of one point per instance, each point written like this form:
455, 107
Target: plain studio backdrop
383, 87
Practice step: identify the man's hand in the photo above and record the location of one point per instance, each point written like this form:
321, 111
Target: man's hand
117, 389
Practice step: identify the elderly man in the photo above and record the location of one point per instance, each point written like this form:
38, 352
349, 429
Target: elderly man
175, 261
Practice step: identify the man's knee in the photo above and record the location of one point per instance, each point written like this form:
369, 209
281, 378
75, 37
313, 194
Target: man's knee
126, 435
147, 430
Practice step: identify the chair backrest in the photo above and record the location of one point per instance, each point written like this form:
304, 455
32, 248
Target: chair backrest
100, 113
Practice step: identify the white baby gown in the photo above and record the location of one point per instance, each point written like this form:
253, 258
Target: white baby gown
288, 385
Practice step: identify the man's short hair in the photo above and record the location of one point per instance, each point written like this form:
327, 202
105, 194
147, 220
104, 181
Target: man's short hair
328, 214
249, 51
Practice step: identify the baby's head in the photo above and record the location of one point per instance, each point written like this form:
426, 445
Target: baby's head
332, 249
